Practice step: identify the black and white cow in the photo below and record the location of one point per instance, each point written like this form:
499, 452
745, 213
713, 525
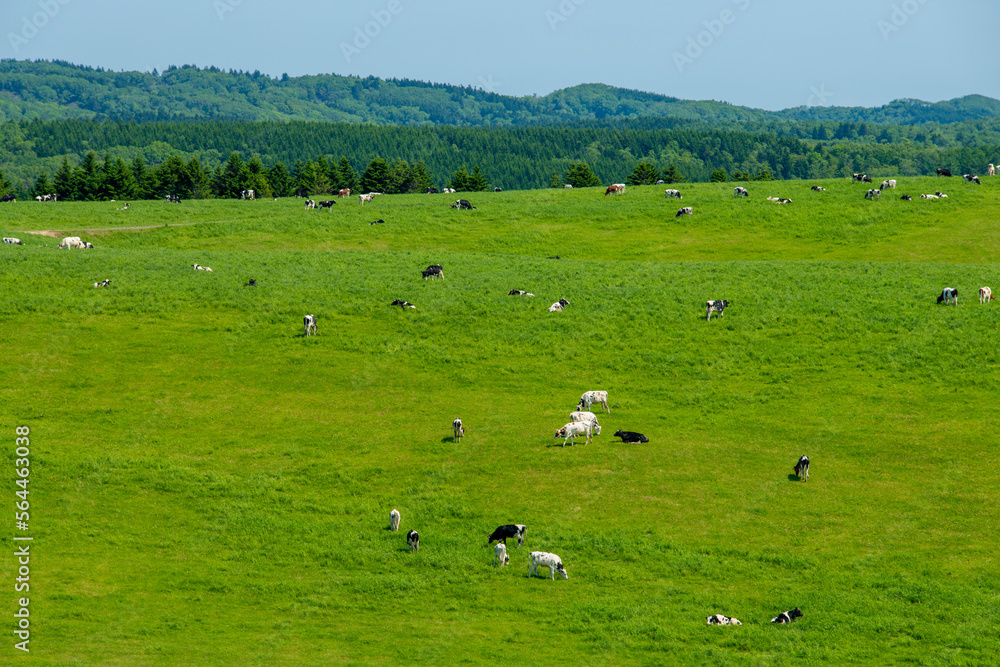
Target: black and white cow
173, 199
856, 178
8, 198
326, 204
248, 194
818, 188
740, 192
103, 283
558, 306
672, 194
310, 203
969, 178
413, 541
380, 221
510, 530
787, 616
432, 191
888, 184
630, 436
457, 430
402, 304
463, 204
309, 322
948, 295
906, 198
433, 271
719, 619
943, 172
12, 241
873, 194
498, 189
687, 210
717, 306
802, 468
549, 560
519, 292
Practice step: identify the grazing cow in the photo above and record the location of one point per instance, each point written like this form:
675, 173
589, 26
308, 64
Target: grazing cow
73, 242
591, 397
8, 198
173, 199
587, 418
818, 188
12, 241
518, 292
510, 530
672, 194
413, 541
906, 198
432, 191
630, 436
929, 196
103, 283
403, 304
433, 271
740, 192
572, 429
972, 179
991, 170
309, 322
248, 194
199, 267
943, 172
719, 619
551, 561
558, 306
310, 204
47, 198
802, 468
364, 199
787, 616
394, 520
497, 189
301, 192
463, 205
948, 295
873, 194
985, 294
380, 221
250, 283
346, 192
457, 430
687, 210
568, 186
613, 190
888, 184
500, 556
621, 188
326, 204
716, 306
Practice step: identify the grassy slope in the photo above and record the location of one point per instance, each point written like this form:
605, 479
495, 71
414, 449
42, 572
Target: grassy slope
208, 486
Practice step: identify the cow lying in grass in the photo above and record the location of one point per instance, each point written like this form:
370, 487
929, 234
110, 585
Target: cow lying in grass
631, 436
558, 306
103, 283
402, 304
719, 619
518, 292
787, 616
433, 271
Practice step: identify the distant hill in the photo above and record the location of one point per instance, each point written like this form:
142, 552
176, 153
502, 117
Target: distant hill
52, 90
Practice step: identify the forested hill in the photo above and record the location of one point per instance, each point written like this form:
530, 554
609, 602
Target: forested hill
59, 90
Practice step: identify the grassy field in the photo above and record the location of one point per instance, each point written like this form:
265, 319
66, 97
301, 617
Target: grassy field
210, 487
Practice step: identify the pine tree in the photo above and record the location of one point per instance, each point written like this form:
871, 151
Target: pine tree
64, 181
347, 177
280, 179
88, 178
460, 180
144, 182
555, 181
672, 175
645, 173
376, 177
42, 186
399, 178
579, 175
198, 179
477, 181
420, 178
719, 176
5, 185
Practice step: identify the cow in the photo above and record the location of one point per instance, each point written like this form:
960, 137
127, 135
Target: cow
558, 306
413, 541
873, 194
457, 430
73, 242
672, 194
199, 267
250, 283
660, 182
500, 556
364, 199
301, 192
856, 178
802, 468
865, 178
587, 418
991, 170
719, 619
433, 271
510, 530
985, 294
948, 295
717, 306
380, 221
568, 186
497, 189
432, 191
630, 436
346, 192
551, 561
12, 241
8, 198
782, 200
687, 210
941, 195
943, 172
573, 429
518, 292
463, 205
818, 188
403, 304
929, 196
326, 204
173, 199
310, 204
591, 397
906, 198
787, 616
970, 178
123, 208
621, 188
394, 520
613, 190
888, 184
104, 283
740, 192
248, 194
449, 191
309, 323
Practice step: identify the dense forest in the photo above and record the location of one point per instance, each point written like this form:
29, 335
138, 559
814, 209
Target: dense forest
59, 90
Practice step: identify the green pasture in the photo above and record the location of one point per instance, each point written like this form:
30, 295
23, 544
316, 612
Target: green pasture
210, 487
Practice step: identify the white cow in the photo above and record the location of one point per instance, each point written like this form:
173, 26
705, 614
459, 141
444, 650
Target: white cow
12, 241
572, 429
551, 561
672, 194
500, 555
558, 306
394, 520
458, 430
309, 322
985, 294
991, 170
199, 267
687, 210
591, 397
74, 242
889, 184
587, 417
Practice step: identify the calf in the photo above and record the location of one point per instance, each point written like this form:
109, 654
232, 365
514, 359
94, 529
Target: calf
929, 196
740, 192
12, 241
199, 267
510, 530
591, 397
943, 172
985, 294
309, 322
802, 468
715, 307
551, 561
673, 194
413, 541
310, 204
948, 295
519, 292
572, 429
103, 283
500, 555
402, 304
558, 306
326, 204
630, 436
587, 418
787, 616
719, 619
463, 205
457, 430
346, 192
394, 520
433, 271
687, 210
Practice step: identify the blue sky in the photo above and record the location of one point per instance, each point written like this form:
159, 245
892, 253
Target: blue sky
770, 54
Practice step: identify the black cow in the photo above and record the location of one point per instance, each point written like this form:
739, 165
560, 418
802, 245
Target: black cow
251, 283
402, 304
377, 222
302, 192
631, 436
943, 172
510, 530
433, 271
8, 197
432, 191
802, 468
787, 616
326, 204
463, 204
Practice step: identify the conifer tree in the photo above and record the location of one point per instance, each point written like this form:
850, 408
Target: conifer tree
579, 175
376, 177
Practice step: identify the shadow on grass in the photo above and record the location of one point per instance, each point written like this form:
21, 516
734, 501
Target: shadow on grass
794, 478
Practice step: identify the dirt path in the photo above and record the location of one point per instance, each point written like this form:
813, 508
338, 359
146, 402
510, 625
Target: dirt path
56, 233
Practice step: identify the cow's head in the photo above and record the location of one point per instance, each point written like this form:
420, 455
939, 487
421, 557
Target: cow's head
565, 575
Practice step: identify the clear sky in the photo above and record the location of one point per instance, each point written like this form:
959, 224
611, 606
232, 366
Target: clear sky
770, 54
